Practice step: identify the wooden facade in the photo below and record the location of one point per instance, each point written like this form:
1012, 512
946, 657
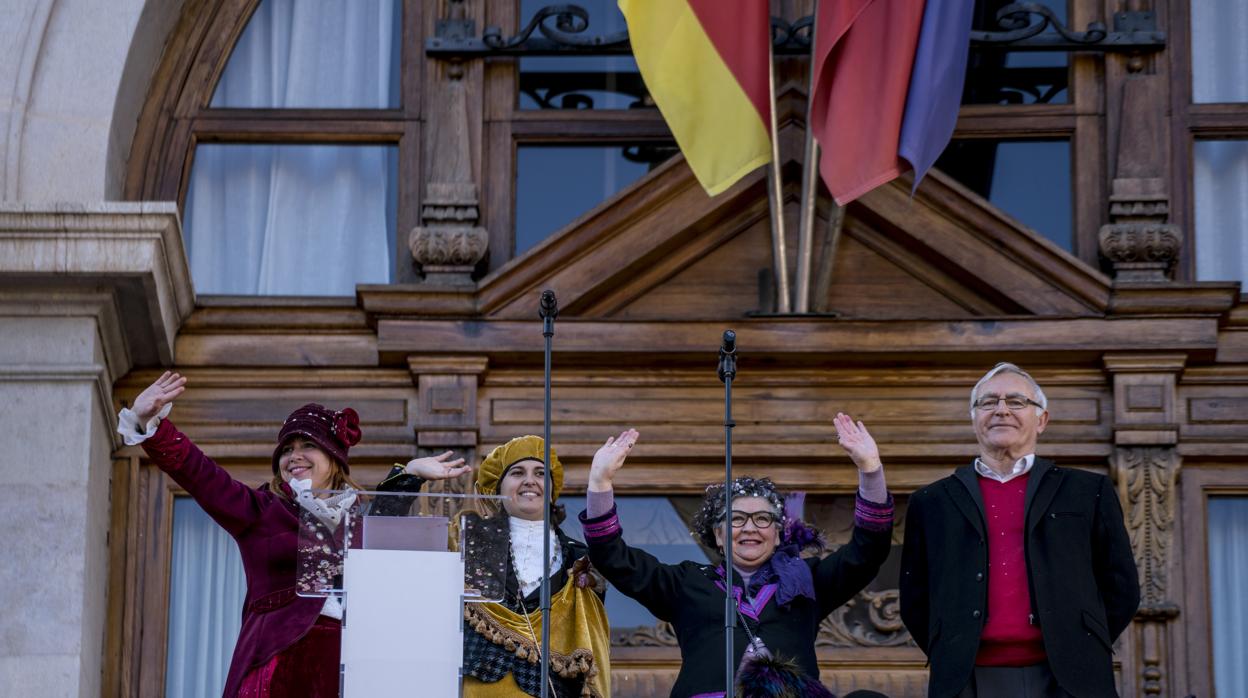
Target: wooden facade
1146, 370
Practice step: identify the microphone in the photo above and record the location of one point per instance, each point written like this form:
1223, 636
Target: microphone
548, 310
728, 357
549, 307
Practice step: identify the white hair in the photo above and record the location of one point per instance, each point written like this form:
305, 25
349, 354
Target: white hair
1006, 367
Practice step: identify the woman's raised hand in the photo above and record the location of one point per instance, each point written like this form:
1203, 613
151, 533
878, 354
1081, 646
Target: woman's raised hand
610, 458
857, 441
152, 400
439, 467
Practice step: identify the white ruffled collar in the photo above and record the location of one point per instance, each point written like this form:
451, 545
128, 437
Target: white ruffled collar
328, 511
526, 551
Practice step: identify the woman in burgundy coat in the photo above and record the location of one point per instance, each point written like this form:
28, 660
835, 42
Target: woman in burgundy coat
288, 645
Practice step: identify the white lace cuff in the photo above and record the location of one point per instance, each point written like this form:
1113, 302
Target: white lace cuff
134, 433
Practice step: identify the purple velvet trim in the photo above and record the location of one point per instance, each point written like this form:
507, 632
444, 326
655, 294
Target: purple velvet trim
873, 516
601, 529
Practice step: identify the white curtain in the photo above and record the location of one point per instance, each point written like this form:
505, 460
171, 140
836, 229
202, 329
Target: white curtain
299, 219
206, 591
1219, 52
312, 220
325, 54
1228, 568
1220, 173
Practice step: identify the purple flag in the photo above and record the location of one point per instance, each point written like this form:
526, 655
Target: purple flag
935, 83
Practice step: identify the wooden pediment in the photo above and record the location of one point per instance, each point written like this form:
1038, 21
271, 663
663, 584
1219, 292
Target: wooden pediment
663, 250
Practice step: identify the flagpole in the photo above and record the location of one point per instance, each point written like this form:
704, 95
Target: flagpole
775, 192
810, 187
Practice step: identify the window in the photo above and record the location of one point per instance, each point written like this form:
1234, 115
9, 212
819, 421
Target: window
1228, 567
996, 76
581, 82
310, 220
331, 54
293, 187
1221, 194
206, 591
555, 184
1219, 52
1030, 180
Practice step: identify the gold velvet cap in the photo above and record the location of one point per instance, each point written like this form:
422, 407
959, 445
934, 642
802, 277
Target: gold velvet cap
512, 452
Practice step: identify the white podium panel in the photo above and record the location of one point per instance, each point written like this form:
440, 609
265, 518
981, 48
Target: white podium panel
403, 630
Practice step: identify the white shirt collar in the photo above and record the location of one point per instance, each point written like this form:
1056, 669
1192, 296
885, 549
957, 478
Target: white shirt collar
1022, 466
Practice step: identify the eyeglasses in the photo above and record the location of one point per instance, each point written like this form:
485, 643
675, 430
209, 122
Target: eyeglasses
1013, 403
761, 519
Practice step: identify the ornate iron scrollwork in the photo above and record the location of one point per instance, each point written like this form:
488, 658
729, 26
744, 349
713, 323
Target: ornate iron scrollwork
567, 32
1024, 20
564, 30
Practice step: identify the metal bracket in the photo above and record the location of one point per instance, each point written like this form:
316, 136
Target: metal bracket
562, 30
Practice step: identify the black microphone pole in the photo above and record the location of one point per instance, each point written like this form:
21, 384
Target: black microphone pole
727, 372
548, 310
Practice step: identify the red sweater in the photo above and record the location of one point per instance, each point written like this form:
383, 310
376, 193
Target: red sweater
1009, 638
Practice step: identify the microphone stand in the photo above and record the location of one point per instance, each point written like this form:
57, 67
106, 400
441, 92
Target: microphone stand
548, 310
727, 372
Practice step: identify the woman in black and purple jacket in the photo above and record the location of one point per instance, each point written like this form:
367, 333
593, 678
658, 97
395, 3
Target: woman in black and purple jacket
781, 597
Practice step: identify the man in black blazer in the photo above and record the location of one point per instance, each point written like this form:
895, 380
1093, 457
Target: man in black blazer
1017, 575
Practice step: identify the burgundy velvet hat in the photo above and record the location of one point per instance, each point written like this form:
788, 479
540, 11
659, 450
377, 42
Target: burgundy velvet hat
334, 432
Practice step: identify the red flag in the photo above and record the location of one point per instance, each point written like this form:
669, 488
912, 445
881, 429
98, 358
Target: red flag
864, 52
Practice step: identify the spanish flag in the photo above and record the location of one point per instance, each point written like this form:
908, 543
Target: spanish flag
706, 65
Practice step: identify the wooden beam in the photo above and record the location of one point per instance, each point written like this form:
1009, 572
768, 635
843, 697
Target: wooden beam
795, 337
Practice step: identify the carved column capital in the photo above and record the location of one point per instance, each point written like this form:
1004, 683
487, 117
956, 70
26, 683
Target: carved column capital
1141, 251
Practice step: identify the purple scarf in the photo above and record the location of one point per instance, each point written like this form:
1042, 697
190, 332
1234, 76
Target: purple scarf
791, 574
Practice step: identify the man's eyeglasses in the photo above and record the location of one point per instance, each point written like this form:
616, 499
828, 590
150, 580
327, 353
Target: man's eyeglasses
761, 519
1013, 403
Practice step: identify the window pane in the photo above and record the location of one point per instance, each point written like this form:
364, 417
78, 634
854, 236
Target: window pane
206, 590
1030, 180
580, 82
310, 220
555, 184
653, 524
328, 54
1228, 567
1015, 77
1221, 182
1219, 52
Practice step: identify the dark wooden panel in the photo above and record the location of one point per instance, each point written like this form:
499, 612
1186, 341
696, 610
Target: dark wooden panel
265, 349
